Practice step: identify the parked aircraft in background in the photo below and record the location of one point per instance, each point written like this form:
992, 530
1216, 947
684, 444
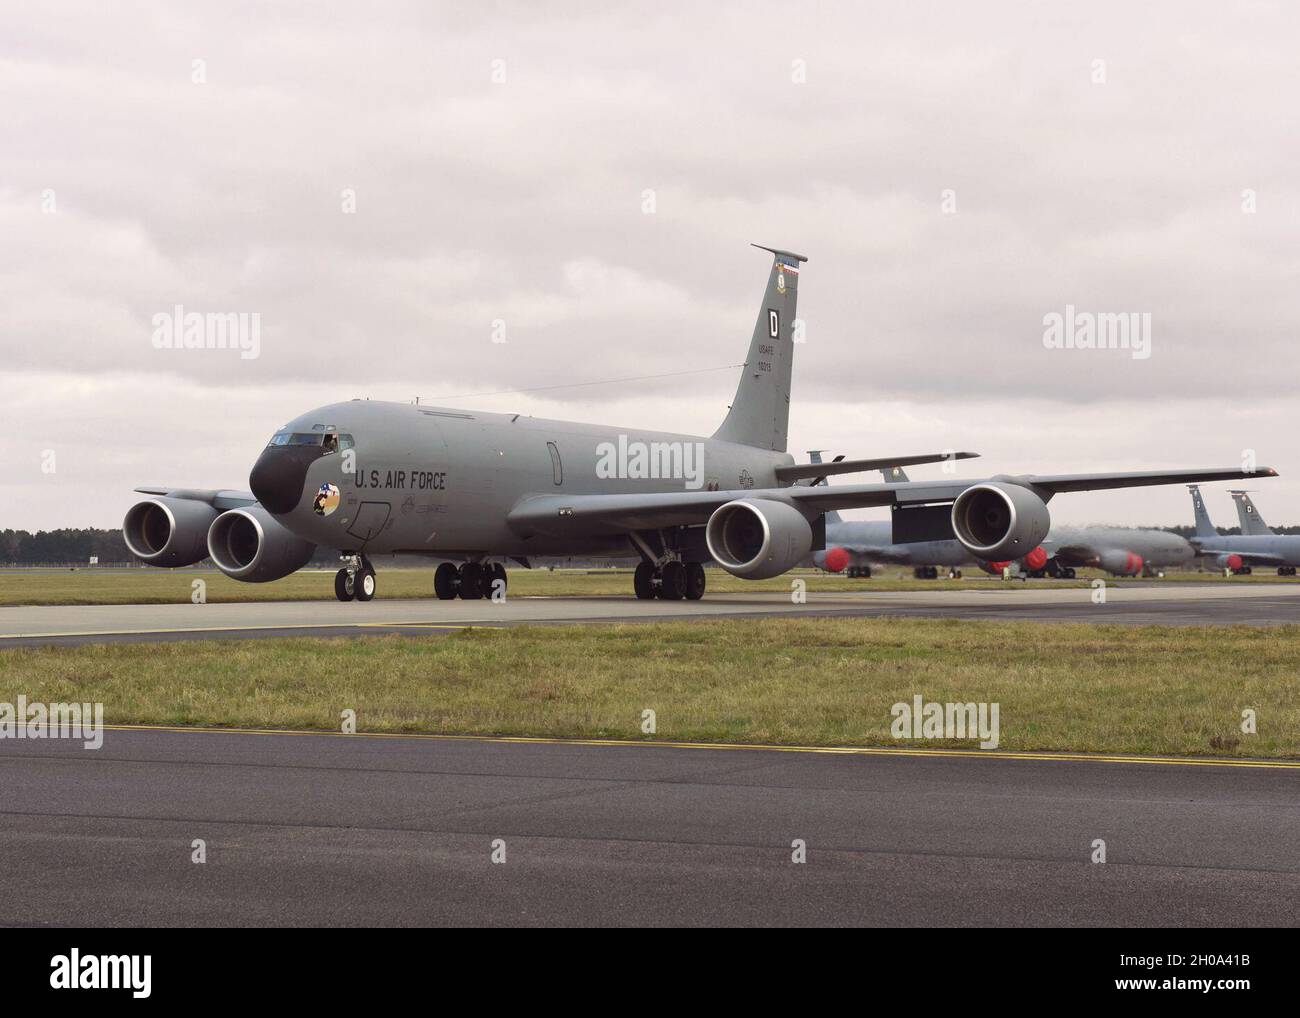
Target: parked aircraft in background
1120, 551
1248, 516
368, 477
853, 547
1240, 553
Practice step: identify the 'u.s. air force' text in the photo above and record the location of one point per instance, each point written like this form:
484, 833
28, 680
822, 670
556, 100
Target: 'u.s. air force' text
415, 480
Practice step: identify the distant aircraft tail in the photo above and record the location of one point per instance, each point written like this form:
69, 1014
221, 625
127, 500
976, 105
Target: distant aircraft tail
815, 456
1248, 515
894, 475
1204, 528
760, 413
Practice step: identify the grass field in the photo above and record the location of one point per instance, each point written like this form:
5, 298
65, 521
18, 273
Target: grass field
164, 586
797, 681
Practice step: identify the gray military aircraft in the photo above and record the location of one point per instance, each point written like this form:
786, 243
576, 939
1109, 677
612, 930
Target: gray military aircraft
1247, 515
853, 547
1239, 553
368, 477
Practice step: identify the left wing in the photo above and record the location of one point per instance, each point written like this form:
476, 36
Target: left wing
623, 512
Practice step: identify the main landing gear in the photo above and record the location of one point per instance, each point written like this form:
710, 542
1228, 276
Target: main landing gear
356, 580
926, 572
1286, 570
471, 581
663, 574
672, 581
859, 572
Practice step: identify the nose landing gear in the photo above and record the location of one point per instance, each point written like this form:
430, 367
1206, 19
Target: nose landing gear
356, 580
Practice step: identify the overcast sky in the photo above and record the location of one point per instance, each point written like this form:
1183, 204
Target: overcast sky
591, 175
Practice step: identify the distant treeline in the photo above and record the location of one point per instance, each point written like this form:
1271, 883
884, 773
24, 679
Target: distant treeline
75, 546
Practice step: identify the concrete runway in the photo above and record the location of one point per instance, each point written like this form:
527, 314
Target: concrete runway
337, 830
1168, 604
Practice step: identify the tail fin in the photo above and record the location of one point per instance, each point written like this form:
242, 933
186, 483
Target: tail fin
760, 413
1251, 521
1204, 528
815, 456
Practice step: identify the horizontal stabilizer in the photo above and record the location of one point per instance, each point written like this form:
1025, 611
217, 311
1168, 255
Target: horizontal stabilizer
799, 470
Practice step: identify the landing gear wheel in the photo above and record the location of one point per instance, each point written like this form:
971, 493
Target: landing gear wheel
446, 579
494, 577
643, 581
695, 581
672, 586
471, 582
343, 586
954, 574
365, 584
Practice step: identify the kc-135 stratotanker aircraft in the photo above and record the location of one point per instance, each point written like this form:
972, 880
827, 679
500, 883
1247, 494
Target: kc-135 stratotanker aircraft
472, 488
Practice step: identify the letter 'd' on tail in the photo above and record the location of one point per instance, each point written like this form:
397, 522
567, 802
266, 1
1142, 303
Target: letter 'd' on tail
760, 413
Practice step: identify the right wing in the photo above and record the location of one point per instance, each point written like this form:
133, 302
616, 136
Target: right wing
620, 513
843, 466
218, 498
1258, 558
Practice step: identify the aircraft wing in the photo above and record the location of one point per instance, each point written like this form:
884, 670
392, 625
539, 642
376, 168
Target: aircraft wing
218, 498
843, 466
1254, 558
1073, 554
634, 511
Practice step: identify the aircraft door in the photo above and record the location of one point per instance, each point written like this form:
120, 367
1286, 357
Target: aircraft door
369, 520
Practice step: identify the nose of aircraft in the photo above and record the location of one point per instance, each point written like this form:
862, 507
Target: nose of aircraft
279, 475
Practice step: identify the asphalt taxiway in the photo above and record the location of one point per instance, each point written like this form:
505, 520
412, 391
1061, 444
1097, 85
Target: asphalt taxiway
1156, 604
333, 830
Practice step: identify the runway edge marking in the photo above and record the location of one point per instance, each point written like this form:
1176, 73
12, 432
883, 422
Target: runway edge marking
1029, 755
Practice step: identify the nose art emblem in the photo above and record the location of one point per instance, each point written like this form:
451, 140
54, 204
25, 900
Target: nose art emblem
326, 500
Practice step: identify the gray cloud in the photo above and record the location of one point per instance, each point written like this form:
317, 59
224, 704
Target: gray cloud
522, 201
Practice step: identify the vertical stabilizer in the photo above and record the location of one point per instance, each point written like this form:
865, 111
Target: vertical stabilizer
1248, 516
1204, 528
815, 456
760, 413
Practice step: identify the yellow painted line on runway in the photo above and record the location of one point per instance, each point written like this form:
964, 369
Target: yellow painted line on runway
242, 629
980, 754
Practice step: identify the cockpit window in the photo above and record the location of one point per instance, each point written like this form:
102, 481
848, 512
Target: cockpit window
296, 438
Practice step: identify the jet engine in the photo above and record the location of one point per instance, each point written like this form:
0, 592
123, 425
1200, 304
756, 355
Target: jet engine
168, 531
997, 520
1120, 563
756, 538
248, 544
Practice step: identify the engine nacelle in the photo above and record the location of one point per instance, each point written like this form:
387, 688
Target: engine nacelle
998, 521
757, 538
1120, 563
248, 544
168, 532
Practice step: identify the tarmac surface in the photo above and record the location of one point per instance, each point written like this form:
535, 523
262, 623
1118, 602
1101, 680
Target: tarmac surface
1183, 604
340, 830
